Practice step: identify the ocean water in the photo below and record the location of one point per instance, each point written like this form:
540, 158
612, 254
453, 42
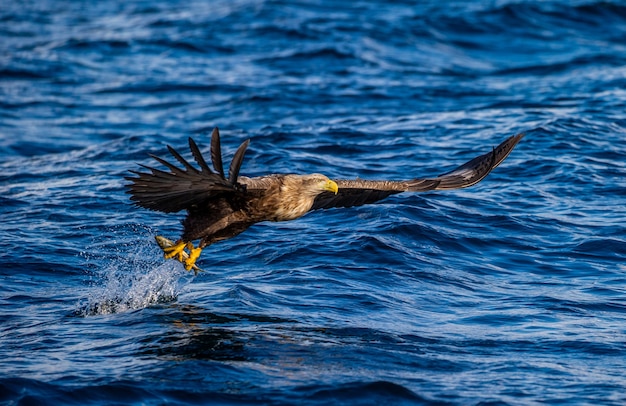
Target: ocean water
509, 292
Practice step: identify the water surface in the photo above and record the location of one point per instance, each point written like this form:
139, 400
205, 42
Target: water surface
510, 292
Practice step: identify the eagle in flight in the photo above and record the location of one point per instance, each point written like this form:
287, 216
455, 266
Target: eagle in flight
220, 207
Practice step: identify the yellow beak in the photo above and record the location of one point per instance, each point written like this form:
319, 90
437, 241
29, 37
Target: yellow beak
331, 186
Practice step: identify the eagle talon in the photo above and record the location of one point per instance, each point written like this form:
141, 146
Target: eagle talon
194, 253
175, 251
170, 249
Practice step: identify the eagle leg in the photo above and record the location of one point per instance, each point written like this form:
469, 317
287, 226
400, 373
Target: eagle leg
194, 253
175, 251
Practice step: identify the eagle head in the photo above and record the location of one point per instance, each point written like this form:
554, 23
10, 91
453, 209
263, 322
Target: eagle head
297, 194
317, 183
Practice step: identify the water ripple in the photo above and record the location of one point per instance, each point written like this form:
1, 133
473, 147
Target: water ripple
483, 295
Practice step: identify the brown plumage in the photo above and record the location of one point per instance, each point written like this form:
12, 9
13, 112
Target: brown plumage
219, 208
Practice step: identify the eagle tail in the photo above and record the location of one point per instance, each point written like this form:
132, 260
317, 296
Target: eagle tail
187, 187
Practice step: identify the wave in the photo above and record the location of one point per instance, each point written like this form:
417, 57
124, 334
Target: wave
23, 390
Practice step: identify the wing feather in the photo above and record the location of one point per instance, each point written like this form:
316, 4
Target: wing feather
235, 164
175, 170
475, 170
216, 152
184, 188
359, 192
182, 160
197, 155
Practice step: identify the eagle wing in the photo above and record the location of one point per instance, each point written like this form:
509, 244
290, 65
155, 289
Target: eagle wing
186, 188
358, 192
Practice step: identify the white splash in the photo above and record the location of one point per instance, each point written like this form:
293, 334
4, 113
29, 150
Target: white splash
131, 274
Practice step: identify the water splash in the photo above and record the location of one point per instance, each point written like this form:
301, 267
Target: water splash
130, 273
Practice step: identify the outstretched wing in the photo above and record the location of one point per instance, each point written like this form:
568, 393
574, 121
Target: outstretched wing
359, 192
185, 188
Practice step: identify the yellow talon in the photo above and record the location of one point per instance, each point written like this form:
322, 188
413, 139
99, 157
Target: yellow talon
194, 253
176, 251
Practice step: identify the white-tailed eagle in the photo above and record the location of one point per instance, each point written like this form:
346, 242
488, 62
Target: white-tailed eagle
220, 207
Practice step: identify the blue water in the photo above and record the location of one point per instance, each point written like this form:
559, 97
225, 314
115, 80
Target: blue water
510, 292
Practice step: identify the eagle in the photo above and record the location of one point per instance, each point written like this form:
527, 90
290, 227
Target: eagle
220, 207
